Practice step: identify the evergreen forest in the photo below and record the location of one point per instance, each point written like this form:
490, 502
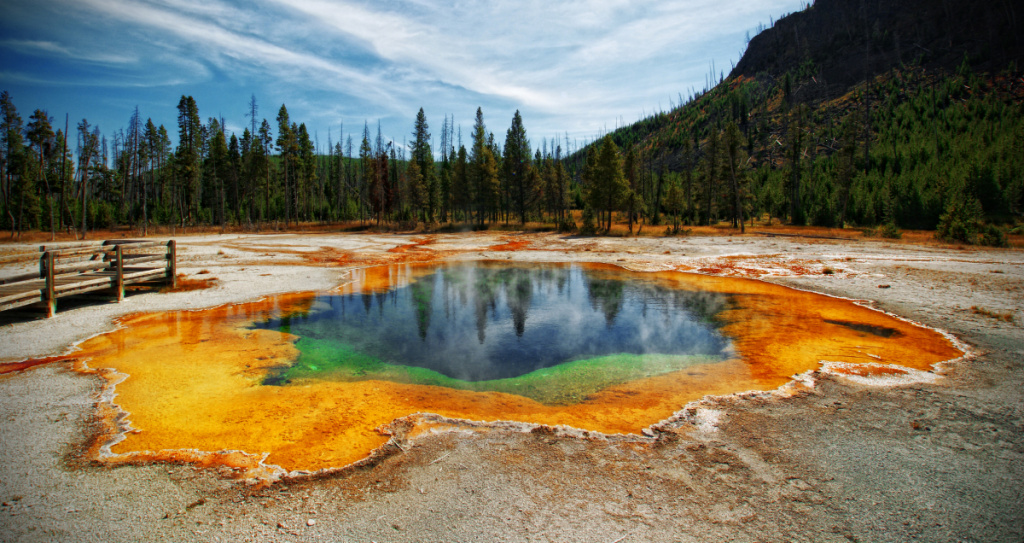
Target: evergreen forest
854, 127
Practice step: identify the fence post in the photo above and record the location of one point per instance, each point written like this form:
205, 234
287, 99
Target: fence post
118, 272
49, 296
172, 264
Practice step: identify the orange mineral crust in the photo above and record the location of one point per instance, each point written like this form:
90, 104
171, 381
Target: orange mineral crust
192, 379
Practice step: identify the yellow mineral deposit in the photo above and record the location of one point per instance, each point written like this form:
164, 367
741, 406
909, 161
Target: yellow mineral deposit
190, 381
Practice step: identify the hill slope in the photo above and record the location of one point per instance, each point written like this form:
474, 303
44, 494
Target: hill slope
905, 113
848, 41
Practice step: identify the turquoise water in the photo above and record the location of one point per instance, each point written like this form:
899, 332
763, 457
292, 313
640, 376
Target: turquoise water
487, 326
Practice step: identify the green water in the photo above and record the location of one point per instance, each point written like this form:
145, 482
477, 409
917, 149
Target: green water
553, 333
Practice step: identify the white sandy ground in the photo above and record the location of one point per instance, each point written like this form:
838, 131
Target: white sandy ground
934, 459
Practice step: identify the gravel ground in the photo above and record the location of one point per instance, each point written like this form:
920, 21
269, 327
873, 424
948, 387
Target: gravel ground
939, 461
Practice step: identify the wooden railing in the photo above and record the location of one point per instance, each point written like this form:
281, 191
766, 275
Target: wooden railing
80, 269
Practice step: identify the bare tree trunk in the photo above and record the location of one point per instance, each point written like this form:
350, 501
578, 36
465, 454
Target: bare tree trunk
7, 198
63, 159
223, 221
145, 198
85, 180
737, 208
287, 196
49, 199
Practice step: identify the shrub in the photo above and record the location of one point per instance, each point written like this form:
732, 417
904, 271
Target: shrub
960, 221
589, 226
566, 224
890, 231
993, 236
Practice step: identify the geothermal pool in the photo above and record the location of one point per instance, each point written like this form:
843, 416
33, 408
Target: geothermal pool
552, 333
311, 381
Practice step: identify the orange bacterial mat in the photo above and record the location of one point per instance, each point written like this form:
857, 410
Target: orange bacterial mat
191, 381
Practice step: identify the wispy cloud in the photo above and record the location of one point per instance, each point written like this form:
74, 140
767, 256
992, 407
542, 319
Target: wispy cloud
428, 50
229, 50
605, 54
131, 82
52, 48
576, 65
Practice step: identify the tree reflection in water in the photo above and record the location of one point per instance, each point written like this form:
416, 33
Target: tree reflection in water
482, 321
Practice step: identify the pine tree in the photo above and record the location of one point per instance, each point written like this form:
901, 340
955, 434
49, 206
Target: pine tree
736, 163
306, 174
445, 187
632, 198
261, 165
88, 148
475, 174
417, 191
135, 159
366, 169
40, 134
489, 185
423, 156
796, 148
675, 202
561, 194
11, 155
63, 171
689, 205
216, 165
187, 158
548, 187
285, 144
711, 173
233, 176
152, 146
461, 190
847, 164
608, 185
517, 170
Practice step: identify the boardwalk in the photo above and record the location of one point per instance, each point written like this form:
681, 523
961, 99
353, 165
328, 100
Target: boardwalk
105, 267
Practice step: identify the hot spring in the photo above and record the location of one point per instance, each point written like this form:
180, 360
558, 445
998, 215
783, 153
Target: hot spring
555, 334
310, 381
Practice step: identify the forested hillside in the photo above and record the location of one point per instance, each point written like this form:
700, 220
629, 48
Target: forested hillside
896, 114
906, 114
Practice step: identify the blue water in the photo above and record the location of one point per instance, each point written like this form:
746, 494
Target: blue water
484, 321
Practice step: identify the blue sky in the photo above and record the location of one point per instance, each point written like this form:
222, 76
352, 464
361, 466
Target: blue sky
576, 67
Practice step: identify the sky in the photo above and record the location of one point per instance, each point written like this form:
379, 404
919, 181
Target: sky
573, 69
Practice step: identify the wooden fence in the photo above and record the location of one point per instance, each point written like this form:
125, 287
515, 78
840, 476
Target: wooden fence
86, 268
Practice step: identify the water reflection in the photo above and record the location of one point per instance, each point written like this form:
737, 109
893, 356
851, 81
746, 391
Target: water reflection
480, 322
194, 381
